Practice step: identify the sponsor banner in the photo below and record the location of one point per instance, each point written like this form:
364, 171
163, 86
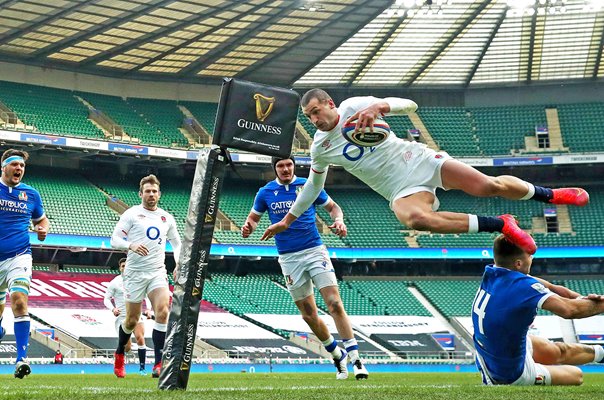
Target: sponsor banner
545, 326
592, 339
445, 340
257, 118
8, 349
251, 158
395, 324
10, 135
290, 322
87, 144
169, 153
128, 148
305, 161
43, 139
516, 161
477, 162
229, 326
579, 159
261, 348
401, 343
61, 289
188, 289
590, 330
364, 346
83, 322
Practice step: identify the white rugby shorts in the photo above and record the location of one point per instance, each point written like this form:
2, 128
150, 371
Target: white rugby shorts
15, 275
422, 174
137, 284
306, 267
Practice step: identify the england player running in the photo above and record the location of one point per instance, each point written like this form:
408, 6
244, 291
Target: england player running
115, 301
504, 308
408, 173
19, 204
143, 230
304, 261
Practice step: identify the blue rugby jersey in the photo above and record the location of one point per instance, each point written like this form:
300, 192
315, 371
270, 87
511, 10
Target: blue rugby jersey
18, 205
503, 310
277, 199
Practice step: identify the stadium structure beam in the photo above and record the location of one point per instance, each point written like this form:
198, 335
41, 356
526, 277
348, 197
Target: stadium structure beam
97, 29
485, 47
599, 56
339, 42
376, 48
531, 48
41, 21
220, 51
452, 36
158, 33
195, 38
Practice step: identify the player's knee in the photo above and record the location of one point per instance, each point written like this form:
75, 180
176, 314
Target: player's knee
19, 305
311, 319
490, 187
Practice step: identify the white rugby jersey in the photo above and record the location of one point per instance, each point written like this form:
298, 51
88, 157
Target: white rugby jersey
115, 290
377, 166
150, 228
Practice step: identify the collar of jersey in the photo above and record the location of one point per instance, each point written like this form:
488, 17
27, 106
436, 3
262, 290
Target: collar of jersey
10, 187
283, 184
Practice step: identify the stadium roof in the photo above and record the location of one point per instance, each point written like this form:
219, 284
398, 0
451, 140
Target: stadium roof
330, 43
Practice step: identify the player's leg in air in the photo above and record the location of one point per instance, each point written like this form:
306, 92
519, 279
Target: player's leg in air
416, 210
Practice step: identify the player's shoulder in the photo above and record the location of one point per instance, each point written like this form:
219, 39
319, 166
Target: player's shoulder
299, 181
270, 185
24, 187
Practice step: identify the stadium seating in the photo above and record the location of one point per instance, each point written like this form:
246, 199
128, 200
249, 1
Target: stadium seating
501, 130
54, 111
72, 204
451, 129
581, 126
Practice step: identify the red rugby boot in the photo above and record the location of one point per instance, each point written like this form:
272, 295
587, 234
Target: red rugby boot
514, 234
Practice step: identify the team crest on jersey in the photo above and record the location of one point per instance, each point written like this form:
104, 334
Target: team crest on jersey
540, 380
163, 219
23, 196
326, 144
437, 156
407, 156
276, 192
299, 189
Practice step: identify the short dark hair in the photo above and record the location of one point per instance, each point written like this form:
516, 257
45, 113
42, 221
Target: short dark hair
148, 179
506, 252
318, 94
122, 260
14, 152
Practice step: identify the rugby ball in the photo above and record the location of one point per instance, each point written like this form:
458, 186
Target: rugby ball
366, 138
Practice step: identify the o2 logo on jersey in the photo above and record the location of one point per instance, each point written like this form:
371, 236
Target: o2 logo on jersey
352, 152
153, 233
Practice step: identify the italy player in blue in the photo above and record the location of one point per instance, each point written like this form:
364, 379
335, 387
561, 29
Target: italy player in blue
503, 310
305, 261
19, 204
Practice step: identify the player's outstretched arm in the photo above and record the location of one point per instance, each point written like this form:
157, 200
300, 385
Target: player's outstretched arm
250, 225
581, 307
559, 289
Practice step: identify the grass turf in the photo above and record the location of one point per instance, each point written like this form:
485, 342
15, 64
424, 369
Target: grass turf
427, 386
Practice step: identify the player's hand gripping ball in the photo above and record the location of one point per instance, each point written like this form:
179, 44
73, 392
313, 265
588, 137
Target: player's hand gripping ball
366, 138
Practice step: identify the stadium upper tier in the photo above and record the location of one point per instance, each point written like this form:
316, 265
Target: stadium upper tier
461, 131
77, 205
